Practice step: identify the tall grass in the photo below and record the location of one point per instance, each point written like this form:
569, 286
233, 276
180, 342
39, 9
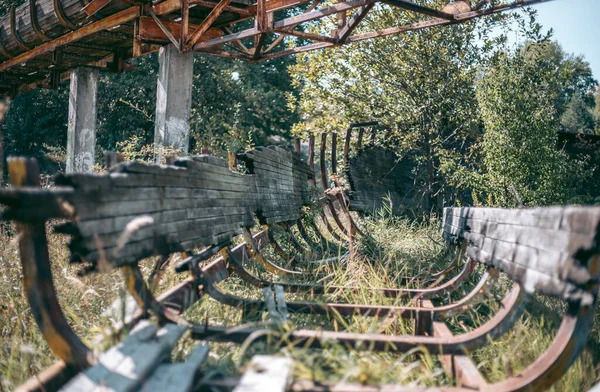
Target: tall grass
394, 248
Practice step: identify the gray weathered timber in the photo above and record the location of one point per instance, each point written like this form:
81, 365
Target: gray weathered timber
552, 251
137, 210
266, 373
81, 132
376, 173
126, 366
178, 377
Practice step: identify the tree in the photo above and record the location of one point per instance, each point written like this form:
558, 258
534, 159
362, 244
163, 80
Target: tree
577, 117
573, 80
234, 105
517, 101
422, 84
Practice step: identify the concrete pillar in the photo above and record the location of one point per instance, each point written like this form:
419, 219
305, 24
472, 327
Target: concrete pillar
173, 100
81, 133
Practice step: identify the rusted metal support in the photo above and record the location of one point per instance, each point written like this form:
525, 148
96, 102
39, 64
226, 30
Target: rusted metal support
185, 22
458, 367
205, 25
93, 7
325, 184
165, 30
347, 146
290, 260
62, 17
293, 240
34, 22
511, 310
254, 251
3, 50
343, 33
423, 317
13, 31
37, 277
361, 132
410, 6
137, 287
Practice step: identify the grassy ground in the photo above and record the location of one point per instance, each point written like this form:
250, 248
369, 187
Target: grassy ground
395, 248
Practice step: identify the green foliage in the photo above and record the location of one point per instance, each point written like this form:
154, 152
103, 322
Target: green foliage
517, 99
422, 84
577, 118
234, 106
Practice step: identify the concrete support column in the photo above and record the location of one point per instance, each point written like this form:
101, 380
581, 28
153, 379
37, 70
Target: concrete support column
173, 100
81, 134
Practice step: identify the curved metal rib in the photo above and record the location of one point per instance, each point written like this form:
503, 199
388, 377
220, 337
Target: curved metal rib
237, 266
262, 260
37, 278
293, 240
570, 340
35, 25
324, 181
137, 287
313, 182
512, 308
277, 248
13, 30
62, 17
340, 196
405, 312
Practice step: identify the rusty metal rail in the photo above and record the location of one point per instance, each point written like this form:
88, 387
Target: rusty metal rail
198, 205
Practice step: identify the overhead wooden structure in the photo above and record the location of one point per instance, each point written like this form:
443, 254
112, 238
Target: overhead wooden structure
43, 39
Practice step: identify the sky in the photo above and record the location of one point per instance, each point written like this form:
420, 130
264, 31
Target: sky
576, 25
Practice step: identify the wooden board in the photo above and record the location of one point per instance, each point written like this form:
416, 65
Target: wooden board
553, 251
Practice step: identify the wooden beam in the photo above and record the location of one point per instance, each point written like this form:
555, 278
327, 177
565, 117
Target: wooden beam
282, 36
205, 25
259, 41
166, 31
185, 22
410, 6
246, 12
94, 6
239, 44
287, 22
227, 38
345, 32
169, 6
261, 22
334, 9
85, 31
151, 32
301, 34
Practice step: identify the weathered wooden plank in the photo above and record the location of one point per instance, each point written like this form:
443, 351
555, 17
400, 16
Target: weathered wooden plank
179, 377
127, 365
551, 251
266, 373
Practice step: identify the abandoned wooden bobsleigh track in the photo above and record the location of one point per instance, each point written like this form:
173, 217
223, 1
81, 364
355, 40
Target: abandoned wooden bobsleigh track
197, 205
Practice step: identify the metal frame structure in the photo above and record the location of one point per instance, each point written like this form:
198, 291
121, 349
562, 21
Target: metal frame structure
470, 234
38, 49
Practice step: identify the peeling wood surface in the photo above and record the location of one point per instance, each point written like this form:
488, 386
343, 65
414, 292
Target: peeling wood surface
266, 373
551, 251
